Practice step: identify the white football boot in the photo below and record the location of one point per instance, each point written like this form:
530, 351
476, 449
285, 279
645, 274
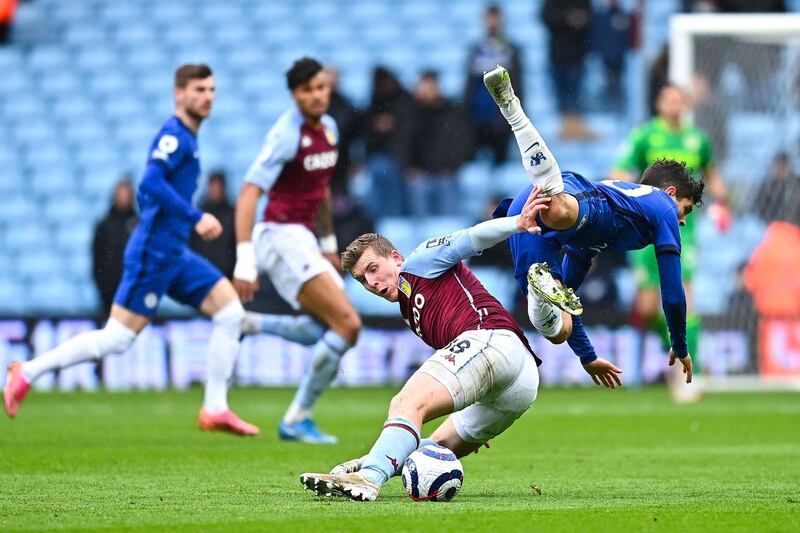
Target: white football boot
348, 467
353, 486
542, 282
498, 83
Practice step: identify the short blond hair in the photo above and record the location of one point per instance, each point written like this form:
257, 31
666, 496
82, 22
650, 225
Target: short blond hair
380, 244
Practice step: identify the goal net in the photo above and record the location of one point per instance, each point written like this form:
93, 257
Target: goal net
743, 72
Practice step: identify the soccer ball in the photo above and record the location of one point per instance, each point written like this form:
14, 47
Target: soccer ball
432, 473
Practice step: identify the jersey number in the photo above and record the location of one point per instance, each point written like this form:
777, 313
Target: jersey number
635, 192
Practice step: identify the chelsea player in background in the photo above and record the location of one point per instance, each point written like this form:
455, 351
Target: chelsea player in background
158, 261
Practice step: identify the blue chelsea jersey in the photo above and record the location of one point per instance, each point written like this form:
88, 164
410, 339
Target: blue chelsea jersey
616, 215
170, 181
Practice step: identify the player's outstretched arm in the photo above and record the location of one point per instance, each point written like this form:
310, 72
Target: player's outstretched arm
487, 234
673, 300
435, 256
575, 265
245, 273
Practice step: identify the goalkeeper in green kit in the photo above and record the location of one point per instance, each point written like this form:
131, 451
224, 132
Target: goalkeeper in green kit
668, 136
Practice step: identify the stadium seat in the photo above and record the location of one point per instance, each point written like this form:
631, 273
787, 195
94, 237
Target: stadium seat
59, 83
86, 130
23, 108
98, 59
221, 14
46, 59
401, 231
27, 237
65, 210
52, 294
84, 36
168, 12
121, 14
499, 283
13, 297
435, 226
75, 239
109, 85
35, 132
122, 108
133, 36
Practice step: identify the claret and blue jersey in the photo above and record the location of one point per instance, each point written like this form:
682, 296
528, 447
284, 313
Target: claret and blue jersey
157, 258
613, 215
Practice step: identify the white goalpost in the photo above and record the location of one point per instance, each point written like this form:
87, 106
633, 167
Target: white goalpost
743, 72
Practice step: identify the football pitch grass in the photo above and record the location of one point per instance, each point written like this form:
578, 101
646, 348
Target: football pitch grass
580, 460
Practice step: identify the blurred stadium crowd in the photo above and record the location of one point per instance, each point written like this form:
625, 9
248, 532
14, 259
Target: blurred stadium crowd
423, 150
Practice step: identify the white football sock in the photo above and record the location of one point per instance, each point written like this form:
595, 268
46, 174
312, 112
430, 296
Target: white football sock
114, 338
544, 316
537, 160
223, 349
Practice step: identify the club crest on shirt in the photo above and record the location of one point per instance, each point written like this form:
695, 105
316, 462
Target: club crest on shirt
404, 286
330, 136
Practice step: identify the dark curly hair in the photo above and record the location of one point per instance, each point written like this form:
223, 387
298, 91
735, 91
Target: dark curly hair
302, 70
664, 173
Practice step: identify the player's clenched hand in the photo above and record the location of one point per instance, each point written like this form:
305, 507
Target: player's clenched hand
534, 204
208, 227
685, 361
604, 373
247, 289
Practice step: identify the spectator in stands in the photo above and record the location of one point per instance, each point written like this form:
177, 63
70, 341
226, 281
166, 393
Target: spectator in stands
779, 195
110, 237
350, 220
498, 255
489, 128
569, 24
8, 9
734, 6
435, 150
657, 78
386, 127
612, 29
222, 250
348, 120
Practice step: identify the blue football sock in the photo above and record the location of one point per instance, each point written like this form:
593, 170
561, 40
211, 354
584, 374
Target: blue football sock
300, 329
324, 364
398, 439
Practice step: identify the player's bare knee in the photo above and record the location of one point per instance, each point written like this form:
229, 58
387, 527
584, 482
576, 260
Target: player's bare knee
406, 405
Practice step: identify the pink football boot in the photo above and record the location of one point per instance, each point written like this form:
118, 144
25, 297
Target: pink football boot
16, 389
224, 421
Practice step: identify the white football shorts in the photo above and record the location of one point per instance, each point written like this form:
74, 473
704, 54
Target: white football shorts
492, 378
289, 254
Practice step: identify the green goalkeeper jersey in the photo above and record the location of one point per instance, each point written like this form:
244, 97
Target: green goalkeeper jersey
655, 140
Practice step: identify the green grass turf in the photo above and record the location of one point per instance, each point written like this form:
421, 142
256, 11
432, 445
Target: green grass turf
624, 460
